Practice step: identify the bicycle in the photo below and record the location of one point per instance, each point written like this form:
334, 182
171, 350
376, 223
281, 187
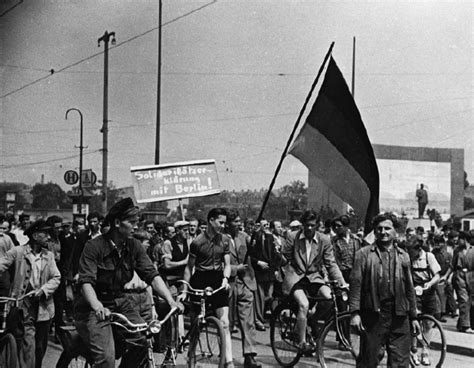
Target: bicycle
328, 342
205, 335
75, 353
8, 344
431, 340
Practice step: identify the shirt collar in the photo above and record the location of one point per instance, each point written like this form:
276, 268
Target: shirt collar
315, 237
210, 233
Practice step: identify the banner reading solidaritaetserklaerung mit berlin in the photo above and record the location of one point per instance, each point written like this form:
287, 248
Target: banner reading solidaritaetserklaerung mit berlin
175, 181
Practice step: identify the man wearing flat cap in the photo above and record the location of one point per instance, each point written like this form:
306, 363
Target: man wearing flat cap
107, 263
34, 271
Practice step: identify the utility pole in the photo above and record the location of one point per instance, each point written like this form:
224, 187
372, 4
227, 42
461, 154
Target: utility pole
158, 89
81, 147
105, 130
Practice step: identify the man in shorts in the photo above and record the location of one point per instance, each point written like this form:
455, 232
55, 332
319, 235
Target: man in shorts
306, 252
209, 256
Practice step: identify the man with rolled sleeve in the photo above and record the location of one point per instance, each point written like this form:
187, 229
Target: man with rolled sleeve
107, 263
382, 298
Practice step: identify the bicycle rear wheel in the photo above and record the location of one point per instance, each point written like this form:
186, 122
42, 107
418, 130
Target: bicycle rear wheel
207, 345
8, 352
284, 337
431, 340
334, 353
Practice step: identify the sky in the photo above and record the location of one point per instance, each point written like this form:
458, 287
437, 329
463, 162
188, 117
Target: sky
235, 75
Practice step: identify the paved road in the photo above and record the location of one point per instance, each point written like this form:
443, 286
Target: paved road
265, 356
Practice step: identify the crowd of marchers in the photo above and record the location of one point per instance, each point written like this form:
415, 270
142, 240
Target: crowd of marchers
81, 272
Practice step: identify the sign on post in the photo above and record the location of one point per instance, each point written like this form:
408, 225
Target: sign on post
71, 177
89, 178
174, 181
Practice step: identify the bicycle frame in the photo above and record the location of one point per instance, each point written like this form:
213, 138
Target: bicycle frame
203, 294
5, 300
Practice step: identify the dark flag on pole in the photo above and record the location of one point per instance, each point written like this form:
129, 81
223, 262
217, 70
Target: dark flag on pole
334, 145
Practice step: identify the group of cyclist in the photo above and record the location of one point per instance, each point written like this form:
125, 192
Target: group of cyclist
383, 301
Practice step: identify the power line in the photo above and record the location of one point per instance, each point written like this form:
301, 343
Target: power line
45, 161
11, 8
52, 71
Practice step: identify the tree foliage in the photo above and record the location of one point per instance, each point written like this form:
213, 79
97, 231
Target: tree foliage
49, 195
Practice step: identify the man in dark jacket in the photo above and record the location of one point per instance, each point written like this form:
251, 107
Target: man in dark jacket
382, 297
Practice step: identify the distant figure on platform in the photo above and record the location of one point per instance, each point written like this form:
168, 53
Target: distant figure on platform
422, 198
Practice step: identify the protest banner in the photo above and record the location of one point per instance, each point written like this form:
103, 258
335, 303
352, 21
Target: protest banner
175, 181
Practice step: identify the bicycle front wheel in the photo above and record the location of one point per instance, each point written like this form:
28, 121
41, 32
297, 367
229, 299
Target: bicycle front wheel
66, 361
207, 345
431, 342
284, 336
338, 350
8, 351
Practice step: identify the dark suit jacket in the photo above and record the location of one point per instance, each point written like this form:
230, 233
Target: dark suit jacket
297, 267
262, 248
238, 255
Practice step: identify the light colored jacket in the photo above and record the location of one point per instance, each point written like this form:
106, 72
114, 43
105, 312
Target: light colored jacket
238, 255
294, 251
21, 258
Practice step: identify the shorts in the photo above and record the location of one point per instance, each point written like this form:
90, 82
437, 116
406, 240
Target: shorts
427, 303
311, 289
203, 279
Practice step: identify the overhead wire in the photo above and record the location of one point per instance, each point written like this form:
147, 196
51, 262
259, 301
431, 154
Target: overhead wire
10, 166
53, 71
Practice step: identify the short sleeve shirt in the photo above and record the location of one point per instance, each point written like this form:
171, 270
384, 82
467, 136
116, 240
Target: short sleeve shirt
424, 268
209, 252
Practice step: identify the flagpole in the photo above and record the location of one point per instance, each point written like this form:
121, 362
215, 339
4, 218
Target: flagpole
285, 152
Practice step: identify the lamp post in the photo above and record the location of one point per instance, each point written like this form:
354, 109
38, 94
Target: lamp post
105, 151
81, 147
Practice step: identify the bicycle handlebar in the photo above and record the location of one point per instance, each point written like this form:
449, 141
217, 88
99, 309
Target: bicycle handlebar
6, 299
154, 326
208, 291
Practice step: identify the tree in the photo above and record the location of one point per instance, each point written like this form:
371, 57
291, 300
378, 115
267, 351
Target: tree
295, 194
49, 195
466, 182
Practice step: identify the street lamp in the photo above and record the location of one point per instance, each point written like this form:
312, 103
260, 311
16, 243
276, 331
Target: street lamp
81, 147
105, 130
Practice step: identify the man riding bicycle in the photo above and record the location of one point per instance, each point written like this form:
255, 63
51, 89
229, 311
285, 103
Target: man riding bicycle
107, 263
307, 251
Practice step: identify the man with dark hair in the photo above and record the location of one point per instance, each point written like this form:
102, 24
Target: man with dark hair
307, 251
382, 297
445, 261
345, 245
209, 256
265, 261
34, 270
150, 227
93, 225
243, 284
107, 263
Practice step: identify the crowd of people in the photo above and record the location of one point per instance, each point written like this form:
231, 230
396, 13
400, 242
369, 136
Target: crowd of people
80, 272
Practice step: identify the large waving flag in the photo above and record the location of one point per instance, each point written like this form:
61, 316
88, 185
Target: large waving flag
334, 145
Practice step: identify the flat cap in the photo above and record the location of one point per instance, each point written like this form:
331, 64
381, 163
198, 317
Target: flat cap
38, 225
180, 223
295, 223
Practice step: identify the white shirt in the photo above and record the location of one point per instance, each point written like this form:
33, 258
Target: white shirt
36, 271
308, 249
